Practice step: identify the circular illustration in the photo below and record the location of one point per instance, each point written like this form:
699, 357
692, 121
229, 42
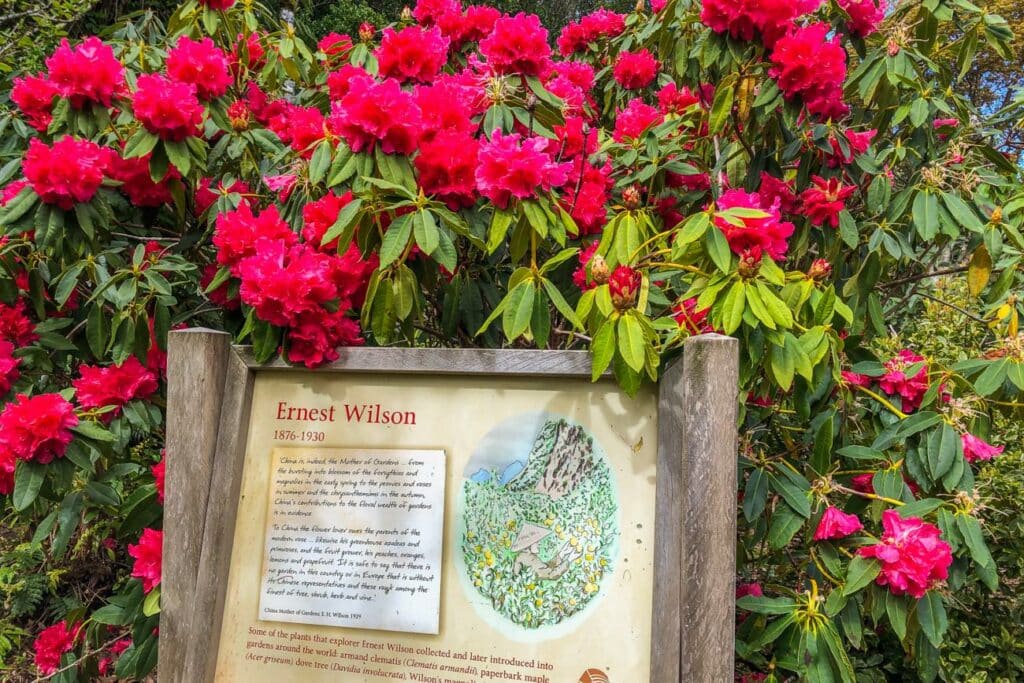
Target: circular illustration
539, 521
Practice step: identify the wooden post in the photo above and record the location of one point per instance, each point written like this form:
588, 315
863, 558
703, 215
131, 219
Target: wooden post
196, 363
710, 381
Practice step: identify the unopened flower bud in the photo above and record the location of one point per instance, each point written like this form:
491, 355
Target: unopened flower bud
623, 285
406, 15
599, 271
239, 115
631, 197
894, 48
366, 31
997, 215
820, 270
749, 266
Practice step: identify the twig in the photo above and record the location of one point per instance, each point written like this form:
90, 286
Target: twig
955, 308
924, 276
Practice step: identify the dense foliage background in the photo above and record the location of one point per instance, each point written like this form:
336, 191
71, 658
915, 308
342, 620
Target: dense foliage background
837, 186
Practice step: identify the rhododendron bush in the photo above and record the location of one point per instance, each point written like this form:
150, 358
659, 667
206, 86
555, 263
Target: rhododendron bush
789, 173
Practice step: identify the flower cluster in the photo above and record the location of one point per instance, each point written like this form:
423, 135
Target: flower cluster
635, 70
865, 15
754, 236
86, 74
745, 19
413, 54
577, 36
52, 643
148, 554
912, 553
896, 382
168, 109
517, 45
513, 167
66, 173
200, 64
824, 200
113, 386
808, 64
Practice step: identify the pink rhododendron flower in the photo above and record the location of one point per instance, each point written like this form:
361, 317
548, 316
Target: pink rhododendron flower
824, 200
168, 109
8, 463
808, 64
413, 54
38, 428
637, 117
744, 589
588, 205
895, 381
912, 553
692, 319
114, 385
8, 367
583, 277
316, 335
428, 12
218, 4
443, 107
148, 554
67, 173
851, 378
865, 15
338, 81
635, 70
247, 55
377, 113
976, 448
15, 326
517, 45
755, 235
52, 643
446, 167
206, 197
282, 282
836, 524
603, 23
201, 64
858, 143
159, 471
510, 166
238, 231
469, 27
776, 189
336, 46
743, 19
89, 73
34, 97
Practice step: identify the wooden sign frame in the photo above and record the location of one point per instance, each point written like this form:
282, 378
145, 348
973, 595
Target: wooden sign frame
209, 396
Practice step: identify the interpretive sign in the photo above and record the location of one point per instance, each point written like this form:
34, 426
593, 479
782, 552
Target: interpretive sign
447, 516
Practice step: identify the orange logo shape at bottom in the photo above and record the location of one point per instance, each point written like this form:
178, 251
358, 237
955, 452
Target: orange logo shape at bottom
594, 676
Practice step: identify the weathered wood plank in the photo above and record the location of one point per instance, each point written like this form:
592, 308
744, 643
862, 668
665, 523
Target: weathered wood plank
221, 514
196, 363
668, 521
707, 596
529, 363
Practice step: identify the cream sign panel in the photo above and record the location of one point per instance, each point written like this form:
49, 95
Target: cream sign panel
442, 530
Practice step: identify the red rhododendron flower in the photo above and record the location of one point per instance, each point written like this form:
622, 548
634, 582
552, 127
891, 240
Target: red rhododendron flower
576, 37
588, 205
338, 81
159, 471
865, 15
913, 555
582, 277
52, 643
148, 554
336, 47
824, 200
808, 64
34, 97
352, 275
978, 449
469, 27
89, 73
514, 167
137, 183
836, 524
15, 326
114, 385
372, 113
305, 129
8, 463
318, 217
202, 64
315, 337
8, 367
857, 143
444, 107
413, 54
635, 70
206, 197
167, 109
282, 282
851, 378
695, 321
238, 231
427, 12
745, 589
218, 4
637, 117
895, 381
742, 19
776, 189
675, 100
754, 236
517, 45
446, 167
67, 173
12, 190
223, 295
576, 137
37, 428
247, 54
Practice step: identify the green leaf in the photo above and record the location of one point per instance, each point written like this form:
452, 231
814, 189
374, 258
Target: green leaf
501, 221
971, 531
721, 108
926, 214
931, 615
718, 249
763, 605
919, 508
632, 342
92, 430
992, 378
944, 446
265, 340
344, 224
320, 163
896, 610
793, 496
179, 156
102, 493
396, 239
603, 349
861, 572
733, 306
861, 453
848, 229
425, 230
151, 605
561, 304
28, 479
518, 310
755, 494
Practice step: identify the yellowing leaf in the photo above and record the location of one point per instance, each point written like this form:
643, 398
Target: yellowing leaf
979, 270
